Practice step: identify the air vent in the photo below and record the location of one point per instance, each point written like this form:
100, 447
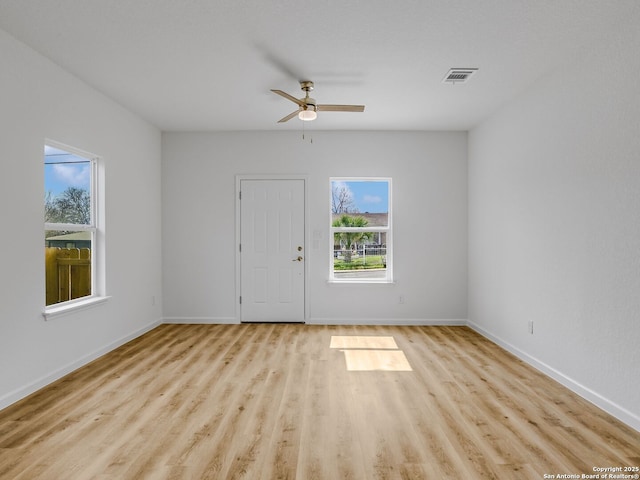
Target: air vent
459, 75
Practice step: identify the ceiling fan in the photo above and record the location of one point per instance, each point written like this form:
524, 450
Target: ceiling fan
308, 108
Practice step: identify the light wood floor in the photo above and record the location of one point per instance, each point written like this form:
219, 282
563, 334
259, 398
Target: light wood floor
276, 402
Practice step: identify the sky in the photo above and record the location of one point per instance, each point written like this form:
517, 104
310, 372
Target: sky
368, 196
63, 170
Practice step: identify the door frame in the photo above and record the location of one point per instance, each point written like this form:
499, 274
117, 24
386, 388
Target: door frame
305, 180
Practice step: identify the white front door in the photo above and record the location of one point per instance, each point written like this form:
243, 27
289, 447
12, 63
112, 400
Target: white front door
272, 250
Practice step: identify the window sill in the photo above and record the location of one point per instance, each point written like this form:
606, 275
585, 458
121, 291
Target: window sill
72, 307
361, 281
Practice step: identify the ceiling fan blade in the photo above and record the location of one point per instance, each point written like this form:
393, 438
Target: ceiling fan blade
279, 63
288, 117
340, 108
289, 97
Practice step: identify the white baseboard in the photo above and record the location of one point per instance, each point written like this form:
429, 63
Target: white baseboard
201, 320
326, 321
26, 390
386, 321
598, 400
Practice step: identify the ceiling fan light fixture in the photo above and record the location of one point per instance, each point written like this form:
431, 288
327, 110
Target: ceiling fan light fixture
307, 115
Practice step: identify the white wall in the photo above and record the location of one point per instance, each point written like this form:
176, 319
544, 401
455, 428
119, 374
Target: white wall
429, 174
554, 224
38, 101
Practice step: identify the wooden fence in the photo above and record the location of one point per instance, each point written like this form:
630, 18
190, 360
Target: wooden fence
67, 273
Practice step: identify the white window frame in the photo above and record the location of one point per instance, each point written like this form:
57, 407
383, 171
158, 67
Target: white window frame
97, 284
388, 230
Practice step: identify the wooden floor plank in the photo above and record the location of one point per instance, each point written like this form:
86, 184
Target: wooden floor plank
278, 402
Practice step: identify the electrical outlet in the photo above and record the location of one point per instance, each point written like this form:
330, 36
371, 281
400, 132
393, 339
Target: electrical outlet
530, 327
401, 299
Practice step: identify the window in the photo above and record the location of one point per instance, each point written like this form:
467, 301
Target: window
361, 230
69, 224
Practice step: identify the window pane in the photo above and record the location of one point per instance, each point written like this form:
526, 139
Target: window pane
67, 265
368, 198
359, 255
67, 187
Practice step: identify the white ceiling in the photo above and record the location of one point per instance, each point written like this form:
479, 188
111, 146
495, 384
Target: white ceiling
196, 65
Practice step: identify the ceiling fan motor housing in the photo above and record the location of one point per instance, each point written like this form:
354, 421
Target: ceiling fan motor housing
306, 85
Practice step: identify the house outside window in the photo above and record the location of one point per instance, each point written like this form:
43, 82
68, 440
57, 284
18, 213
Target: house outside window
361, 250
70, 224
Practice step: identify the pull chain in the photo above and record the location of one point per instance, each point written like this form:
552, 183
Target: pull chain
310, 137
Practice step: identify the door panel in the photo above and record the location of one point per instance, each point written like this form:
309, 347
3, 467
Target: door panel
272, 250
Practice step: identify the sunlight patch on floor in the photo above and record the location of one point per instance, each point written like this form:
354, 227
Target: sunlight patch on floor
354, 341
372, 353
376, 360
